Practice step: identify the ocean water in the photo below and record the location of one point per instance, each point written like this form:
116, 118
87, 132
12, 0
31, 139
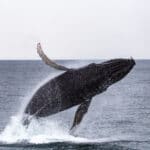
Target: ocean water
118, 119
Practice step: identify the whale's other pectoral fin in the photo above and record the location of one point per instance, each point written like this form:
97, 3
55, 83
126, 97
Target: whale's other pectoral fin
49, 61
81, 111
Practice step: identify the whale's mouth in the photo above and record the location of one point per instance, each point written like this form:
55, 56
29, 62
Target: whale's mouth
118, 68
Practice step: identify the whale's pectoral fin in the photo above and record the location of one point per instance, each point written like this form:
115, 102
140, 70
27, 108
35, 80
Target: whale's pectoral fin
81, 111
49, 61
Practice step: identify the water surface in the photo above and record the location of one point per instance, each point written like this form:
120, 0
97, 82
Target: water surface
117, 119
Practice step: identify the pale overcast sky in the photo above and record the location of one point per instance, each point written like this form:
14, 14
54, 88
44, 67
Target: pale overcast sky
81, 29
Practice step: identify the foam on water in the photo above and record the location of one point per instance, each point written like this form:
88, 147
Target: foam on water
42, 132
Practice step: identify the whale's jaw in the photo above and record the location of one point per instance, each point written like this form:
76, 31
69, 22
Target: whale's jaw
117, 69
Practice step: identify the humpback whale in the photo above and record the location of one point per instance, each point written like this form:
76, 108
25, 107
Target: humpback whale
74, 87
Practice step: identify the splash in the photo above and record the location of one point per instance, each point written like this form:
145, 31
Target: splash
38, 132
43, 131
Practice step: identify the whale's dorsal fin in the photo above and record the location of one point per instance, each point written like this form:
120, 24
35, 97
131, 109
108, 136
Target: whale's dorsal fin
81, 111
49, 61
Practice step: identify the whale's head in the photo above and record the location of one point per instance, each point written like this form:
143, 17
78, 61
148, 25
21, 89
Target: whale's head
117, 69
97, 77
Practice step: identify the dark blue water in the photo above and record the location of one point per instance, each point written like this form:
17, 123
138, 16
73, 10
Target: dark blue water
117, 119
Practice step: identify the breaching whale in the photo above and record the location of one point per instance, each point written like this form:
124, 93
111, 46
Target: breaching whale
74, 87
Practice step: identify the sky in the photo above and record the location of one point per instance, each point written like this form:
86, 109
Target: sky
75, 29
